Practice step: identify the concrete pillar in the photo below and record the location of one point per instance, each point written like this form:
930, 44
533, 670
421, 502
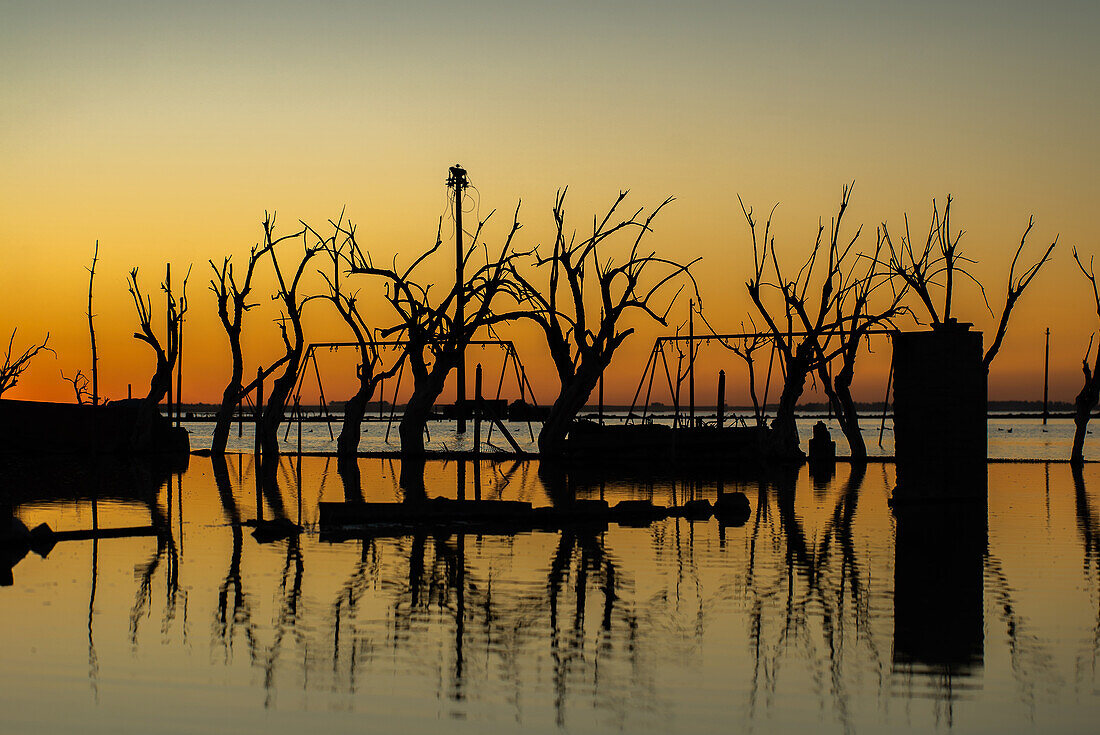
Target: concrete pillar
939, 414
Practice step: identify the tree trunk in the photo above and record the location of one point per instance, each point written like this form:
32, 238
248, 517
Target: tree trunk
572, 398
419, 408
784, 429
347, 444
142, 439
223, 419
847, 415
1085, 403
275, 410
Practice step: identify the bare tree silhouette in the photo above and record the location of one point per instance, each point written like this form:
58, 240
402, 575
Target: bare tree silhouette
582, 346
921, 268
80, 385
344, 251
233, 302
811, 328
166, 353
745, 347
291, 304
1090, 392
852, 323
434, 342
15, 366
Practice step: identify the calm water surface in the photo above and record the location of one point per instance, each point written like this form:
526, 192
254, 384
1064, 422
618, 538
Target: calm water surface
1012, 439
824, 612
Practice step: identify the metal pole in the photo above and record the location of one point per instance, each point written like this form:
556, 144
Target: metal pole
167, 334
179, 370
1046, 379
601, 398
458, 180
721, 398
91, 330
691, 363
477, 412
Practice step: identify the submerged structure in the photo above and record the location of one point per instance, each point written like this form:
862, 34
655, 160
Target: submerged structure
121, 428
940, 414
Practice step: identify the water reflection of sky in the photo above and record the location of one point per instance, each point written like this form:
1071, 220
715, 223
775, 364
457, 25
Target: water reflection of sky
825, 611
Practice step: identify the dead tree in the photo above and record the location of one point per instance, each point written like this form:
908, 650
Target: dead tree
91, 332
808, 335
344, 251
14, 366
744, 347
1089, 396
291, 305
232, 299
1016, 286
582, 346
922, 268
166, 353
852, 321
80, 386
433, 339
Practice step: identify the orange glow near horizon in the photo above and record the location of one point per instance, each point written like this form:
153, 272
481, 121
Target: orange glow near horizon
166, 133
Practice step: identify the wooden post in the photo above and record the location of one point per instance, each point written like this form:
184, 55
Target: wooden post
721, 398
129, 391
259, 406
477, 412
1046, 378
691, 363
381, 397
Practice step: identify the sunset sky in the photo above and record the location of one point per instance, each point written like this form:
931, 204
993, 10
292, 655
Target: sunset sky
165, 130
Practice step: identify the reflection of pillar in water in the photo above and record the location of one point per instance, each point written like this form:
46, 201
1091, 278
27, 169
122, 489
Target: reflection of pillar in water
938, 590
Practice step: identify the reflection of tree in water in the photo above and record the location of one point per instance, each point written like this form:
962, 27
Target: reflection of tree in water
1088, 524
167, 552
1030, 657
289, 612
234, 608
487, 628
805, 582
289, 595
